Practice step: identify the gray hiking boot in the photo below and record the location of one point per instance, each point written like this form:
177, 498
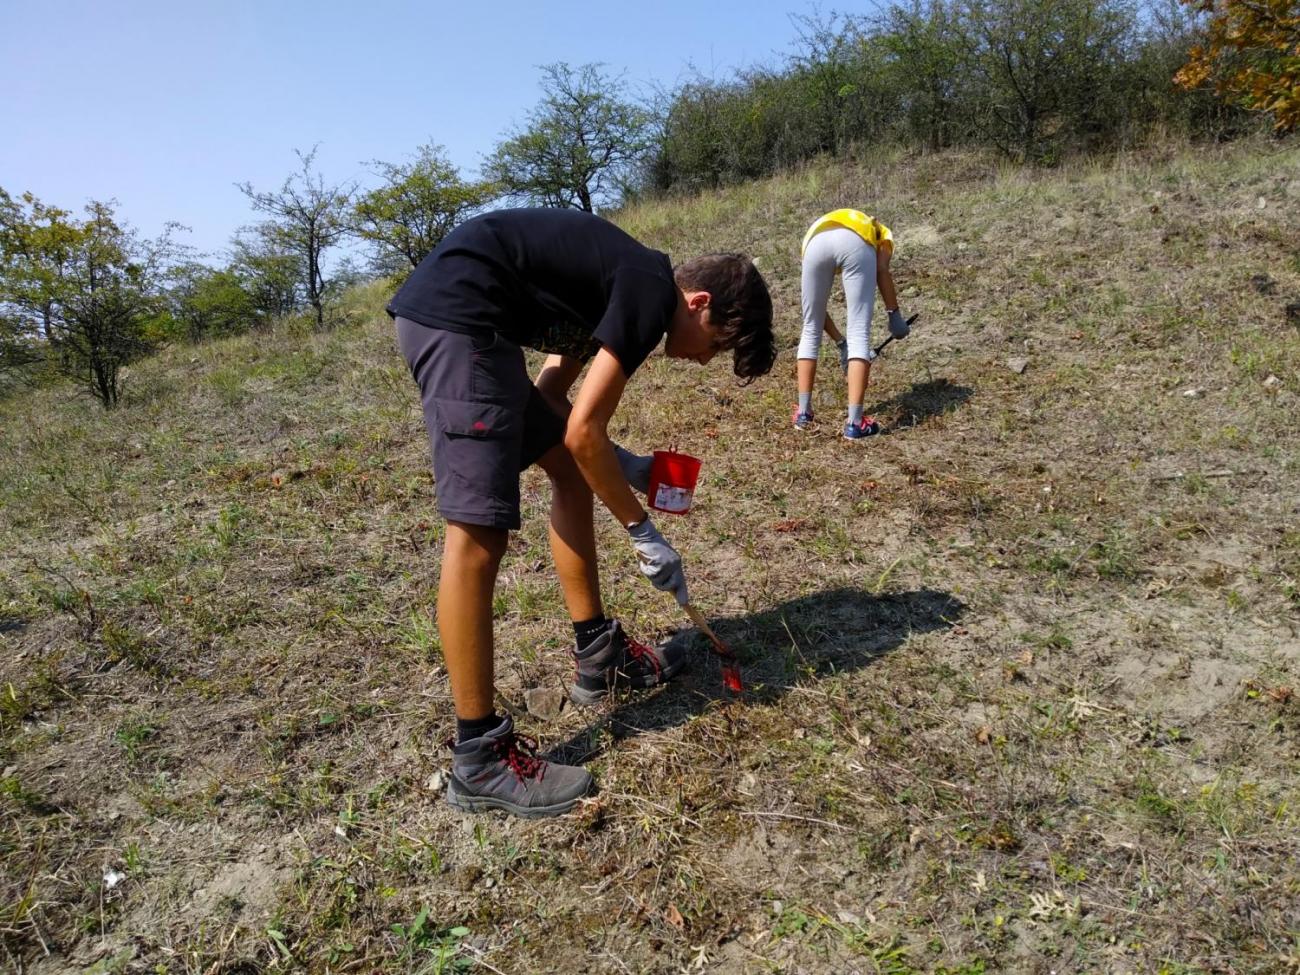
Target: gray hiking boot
613, 660
501, 770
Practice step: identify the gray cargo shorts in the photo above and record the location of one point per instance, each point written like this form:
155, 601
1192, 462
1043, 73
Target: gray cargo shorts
487, 422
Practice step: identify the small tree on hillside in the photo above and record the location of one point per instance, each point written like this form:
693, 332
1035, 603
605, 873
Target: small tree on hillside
924, 43
37, 246
1251, 54
833, 86
418, 205
581, 143
208, 301
83, 294
18, 349
307, 219
112, 298
88, 292
20, 316
1044, 68
272, 274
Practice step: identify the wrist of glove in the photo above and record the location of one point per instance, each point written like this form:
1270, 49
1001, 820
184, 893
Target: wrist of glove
898, 326
635, 467
658, 560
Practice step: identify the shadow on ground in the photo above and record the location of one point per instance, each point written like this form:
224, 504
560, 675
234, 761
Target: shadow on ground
824, 633
921, 402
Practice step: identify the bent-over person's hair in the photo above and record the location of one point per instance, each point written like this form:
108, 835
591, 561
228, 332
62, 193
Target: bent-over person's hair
740, 308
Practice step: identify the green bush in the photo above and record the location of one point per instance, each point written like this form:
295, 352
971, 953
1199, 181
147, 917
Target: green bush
1035, 79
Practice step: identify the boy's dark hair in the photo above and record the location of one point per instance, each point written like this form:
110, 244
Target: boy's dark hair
740, 308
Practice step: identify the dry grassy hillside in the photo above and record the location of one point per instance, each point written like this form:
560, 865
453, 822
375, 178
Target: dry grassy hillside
1021, 671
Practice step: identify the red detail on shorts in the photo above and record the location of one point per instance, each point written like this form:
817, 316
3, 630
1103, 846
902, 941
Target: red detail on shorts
480, 425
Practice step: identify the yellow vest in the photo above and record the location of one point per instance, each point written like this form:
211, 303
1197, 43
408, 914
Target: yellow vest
868, 228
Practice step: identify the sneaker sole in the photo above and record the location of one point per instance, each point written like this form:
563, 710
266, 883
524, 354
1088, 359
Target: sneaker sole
476, 804
585, 698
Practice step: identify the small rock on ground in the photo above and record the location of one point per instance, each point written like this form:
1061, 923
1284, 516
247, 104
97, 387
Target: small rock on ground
544, 702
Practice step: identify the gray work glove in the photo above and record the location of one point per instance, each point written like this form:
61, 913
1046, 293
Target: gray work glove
660, 562
636, 469
898, 326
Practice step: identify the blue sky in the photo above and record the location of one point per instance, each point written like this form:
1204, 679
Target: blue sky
164, 106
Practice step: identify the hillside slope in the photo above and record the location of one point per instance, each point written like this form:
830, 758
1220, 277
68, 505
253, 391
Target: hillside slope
1021, 670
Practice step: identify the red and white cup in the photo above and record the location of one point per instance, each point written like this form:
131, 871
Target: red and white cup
672, 481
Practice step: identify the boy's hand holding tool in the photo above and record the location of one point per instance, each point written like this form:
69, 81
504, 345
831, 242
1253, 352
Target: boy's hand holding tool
659, 561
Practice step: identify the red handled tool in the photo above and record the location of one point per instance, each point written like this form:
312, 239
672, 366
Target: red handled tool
730, 666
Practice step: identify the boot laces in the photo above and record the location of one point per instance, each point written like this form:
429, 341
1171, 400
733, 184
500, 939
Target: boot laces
519, 752
640, 653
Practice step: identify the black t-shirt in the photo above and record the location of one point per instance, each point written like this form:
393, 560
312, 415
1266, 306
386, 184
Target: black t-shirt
558, 281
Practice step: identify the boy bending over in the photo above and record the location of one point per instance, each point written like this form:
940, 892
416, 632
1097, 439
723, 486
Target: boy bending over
573, 285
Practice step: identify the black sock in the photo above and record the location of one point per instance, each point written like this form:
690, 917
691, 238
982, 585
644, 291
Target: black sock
587, 630
475, 728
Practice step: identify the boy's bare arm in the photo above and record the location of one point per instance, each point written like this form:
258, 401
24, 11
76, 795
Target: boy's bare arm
594, 405
558, 374
556, 378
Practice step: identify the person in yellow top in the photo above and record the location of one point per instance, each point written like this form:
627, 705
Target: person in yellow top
859, 248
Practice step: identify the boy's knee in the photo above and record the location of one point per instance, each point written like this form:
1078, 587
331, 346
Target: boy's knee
563, 470
568, 478
476, 546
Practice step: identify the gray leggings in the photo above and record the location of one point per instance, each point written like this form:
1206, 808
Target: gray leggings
838, 249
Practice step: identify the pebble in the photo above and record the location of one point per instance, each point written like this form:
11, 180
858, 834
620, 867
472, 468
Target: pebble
1018, 364
544, 702
437, 781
